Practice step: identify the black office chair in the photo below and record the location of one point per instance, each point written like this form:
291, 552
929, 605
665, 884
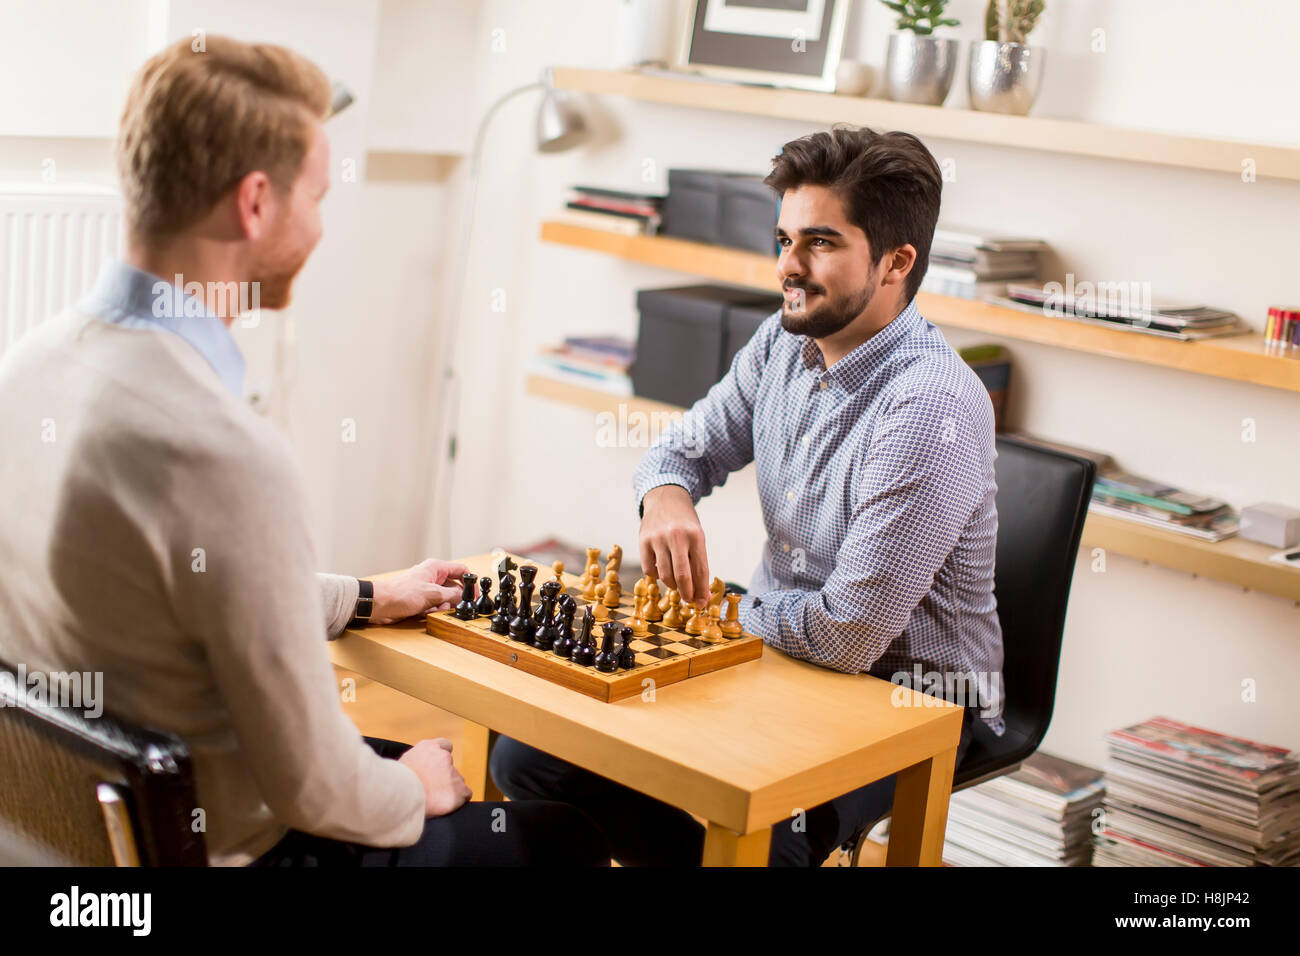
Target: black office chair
1042, 501
91, 791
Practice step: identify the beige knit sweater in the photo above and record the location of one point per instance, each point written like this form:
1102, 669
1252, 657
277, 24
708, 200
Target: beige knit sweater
154, 530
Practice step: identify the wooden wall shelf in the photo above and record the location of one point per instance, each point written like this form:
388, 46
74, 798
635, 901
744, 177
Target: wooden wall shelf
1023, 132
1239, 358
1236, 560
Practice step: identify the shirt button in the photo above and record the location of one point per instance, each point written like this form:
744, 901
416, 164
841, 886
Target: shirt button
805, 439
789, 496
785, 546
822, 385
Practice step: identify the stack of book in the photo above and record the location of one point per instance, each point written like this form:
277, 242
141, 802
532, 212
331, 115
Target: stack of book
593, 361
1124, 495
1183, 796
1041, 815
971, 265
1123, 305
614, 210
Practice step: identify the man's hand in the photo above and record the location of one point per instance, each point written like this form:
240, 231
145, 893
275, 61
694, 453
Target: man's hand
445, 789
429, 586
672, 543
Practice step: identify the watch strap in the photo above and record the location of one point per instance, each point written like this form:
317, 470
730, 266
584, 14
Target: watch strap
365, 604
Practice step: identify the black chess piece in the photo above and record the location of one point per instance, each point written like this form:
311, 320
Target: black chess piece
545, 633
485, 605
505, 607
466, 610
584, 650
626, 656
607, 659
522, 625
564, 630
504, 567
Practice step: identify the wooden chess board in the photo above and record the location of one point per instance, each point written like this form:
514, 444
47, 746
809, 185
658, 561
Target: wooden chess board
665, 655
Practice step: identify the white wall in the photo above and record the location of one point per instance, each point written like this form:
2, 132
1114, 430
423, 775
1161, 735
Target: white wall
1140, 640
368, 311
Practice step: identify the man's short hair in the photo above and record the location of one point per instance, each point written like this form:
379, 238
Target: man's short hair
888, 182
197, 121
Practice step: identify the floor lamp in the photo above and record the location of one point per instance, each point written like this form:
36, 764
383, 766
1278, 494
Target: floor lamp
560, 126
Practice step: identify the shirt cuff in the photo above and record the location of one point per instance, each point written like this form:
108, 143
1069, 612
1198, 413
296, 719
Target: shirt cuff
339, 593
658, 481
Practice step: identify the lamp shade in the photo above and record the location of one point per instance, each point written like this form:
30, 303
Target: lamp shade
560, 124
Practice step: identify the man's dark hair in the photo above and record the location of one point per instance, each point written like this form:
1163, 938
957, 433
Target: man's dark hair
889, 184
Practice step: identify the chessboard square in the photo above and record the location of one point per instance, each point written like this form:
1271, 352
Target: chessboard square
693, 642
658, 628
659, 653
656, 640
679, 649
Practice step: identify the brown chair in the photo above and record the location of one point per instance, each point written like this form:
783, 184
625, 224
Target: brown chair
82, 791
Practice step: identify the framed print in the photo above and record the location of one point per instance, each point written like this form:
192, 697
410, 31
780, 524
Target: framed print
794, 43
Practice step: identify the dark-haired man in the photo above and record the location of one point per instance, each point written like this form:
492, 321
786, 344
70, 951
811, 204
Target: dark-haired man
874, 449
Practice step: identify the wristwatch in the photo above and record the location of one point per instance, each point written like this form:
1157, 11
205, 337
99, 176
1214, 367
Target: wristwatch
365, 604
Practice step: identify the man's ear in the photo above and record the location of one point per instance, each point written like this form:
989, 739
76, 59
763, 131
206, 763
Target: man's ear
898, 264
253, 202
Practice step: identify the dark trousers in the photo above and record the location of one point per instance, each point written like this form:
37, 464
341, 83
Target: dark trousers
528, 833
643, 831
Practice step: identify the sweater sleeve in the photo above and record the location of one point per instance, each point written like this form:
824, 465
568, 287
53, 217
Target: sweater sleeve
255, 606
339, 592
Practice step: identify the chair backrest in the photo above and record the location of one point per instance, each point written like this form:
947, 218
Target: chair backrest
1042, 500
91, 791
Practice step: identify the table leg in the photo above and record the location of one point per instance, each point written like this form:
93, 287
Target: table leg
723, 847
473, 763
921, 811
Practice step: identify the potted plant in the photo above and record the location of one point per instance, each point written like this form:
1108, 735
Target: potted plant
1005, 72
919, 66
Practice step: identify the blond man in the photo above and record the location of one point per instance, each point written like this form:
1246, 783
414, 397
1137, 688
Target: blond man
161, 536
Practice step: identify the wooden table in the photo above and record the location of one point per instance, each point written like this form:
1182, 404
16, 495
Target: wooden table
743, 748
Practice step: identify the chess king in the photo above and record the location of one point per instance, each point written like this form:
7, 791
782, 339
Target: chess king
874, 448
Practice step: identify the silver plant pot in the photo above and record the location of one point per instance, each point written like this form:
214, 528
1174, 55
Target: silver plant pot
1004, 77
919, 69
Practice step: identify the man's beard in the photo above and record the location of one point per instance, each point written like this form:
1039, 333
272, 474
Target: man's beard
275, 286
829, 317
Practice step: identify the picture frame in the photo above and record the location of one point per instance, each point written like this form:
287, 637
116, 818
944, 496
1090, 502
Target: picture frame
786, 43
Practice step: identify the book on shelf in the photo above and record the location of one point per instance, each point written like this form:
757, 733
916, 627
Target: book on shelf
1179, 795
615, 210
1121, 307
1132, 497
593, 361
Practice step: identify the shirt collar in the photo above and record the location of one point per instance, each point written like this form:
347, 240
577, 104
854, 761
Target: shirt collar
127, 296
853, 369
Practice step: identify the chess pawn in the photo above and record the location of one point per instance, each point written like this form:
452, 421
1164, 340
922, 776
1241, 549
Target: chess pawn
584, 647
613, 590
485, 605
626, 656
505, 608
593, 582
598, 603
588, 578
558, 568
640, 626
711, 632
693, 625
673, 614
671, 599
653, 613
731, 626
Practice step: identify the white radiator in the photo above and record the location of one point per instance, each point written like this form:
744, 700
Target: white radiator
53, 239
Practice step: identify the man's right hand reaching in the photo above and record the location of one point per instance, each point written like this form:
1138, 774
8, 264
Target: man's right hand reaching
672, 543
445, 789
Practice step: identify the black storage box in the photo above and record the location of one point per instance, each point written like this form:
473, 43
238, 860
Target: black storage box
684, 337
740, 324
721, 208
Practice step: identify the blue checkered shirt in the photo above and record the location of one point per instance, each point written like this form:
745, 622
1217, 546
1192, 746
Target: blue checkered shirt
876, 482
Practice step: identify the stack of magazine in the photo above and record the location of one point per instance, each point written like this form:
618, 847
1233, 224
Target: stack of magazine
1178, 795
971, 265
592, 361
1041, 815
1123, 495
614, 210
1125, 305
